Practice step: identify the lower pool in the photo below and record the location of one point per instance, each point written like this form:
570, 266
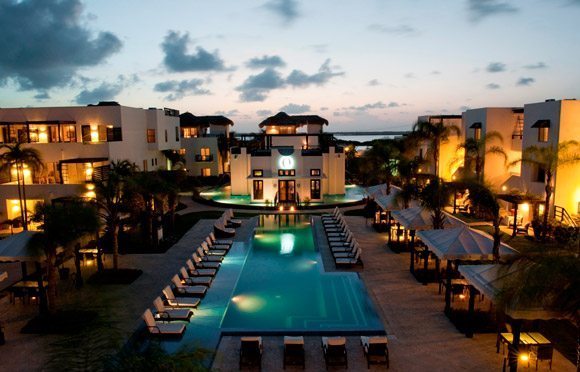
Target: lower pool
283, 286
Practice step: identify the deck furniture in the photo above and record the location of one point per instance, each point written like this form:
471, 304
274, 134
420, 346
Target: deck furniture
188, 290
334, 350
200, 264
220, 229
351, 261
158, 328
216, 250
251, 351
194, 271
168, 313
220, 241
375, 349
195, 280
294, 351
356, 250
229, 215
181, 302
206, 257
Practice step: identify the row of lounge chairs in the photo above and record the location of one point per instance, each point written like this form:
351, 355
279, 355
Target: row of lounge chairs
225, 226
375, 350
344, 247
175, 307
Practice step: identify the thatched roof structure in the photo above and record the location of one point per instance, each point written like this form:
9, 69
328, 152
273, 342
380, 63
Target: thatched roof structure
188, 120
283, 118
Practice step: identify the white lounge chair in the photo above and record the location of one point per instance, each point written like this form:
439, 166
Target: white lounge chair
220, 241
162, 329
188, 290
349, 254
195, 280
335, 213
173, 301
216, 247
349, 261
207, 258
194, 271
213, 251
199, 263
341, 238
168, 313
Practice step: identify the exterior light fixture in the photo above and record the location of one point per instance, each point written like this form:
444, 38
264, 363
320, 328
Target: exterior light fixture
281, 208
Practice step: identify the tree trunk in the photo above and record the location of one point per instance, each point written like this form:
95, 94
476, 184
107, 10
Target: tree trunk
115, 240
25, 210
547, 206
20, 196
51, 278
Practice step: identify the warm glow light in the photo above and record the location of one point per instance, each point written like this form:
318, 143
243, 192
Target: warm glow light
287, 243
281, 208
90, 186
15, 209
525, 207
292, 209
462, 296
249, 303
504, 188
541, 209
90, 194
88, 170
524, 357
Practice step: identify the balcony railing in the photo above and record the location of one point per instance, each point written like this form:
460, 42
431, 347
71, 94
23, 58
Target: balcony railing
203, 157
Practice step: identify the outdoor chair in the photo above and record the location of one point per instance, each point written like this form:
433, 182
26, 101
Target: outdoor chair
221, 249
231, 220
181, 302
542, 352
195, 280
348, 254
169, 314
352, 261
188, 290
251, 351
221, 230
334, 350
220, 241
375, 349
194, 271
294, 351
199, 263
523, 230
206, 257
162, 329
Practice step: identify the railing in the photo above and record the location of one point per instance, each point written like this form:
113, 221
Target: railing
203, 157
562, 215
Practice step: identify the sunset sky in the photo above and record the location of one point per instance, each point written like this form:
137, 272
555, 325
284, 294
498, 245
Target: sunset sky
363, 65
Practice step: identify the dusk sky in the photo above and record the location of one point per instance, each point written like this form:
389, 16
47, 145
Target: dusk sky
363, 65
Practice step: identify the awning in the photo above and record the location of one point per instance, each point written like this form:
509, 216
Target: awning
462, 243
545, 123
3, 275
514, 182
418, 218
488, 279
476, 125
16, 248
83, 160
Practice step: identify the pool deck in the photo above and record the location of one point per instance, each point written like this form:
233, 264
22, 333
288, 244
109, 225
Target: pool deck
421, 338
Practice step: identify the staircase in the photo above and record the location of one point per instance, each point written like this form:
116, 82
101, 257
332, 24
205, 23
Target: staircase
562, 215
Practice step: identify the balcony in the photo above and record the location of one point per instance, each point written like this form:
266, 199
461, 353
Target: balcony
201, 158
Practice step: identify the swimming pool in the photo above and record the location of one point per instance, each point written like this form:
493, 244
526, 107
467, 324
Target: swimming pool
283, 286
223, 195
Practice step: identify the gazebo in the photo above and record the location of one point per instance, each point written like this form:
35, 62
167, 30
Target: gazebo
386, 202
461, 244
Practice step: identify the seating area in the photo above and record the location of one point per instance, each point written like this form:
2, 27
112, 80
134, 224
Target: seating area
225, 226
174, 309
345, 250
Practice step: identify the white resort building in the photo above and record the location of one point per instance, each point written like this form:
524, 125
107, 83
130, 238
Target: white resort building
295, 163
77, 145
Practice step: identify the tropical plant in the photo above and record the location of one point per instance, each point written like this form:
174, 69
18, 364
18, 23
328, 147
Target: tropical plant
435, 133
61, 224
485, 202
19, 158
475, 151
435, 197
383, 155
112, 201
550, 158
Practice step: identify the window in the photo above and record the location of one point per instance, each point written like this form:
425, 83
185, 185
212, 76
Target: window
189, 132
258, 173
166, 138
86, 133
477, 134
150, 135
539, 174
102, 129
114, 134
315, 172
144, 165
152, 162
205, 151
177, 134
69, 133
543, 134
205, 172
258, 189
286, 172
314, 189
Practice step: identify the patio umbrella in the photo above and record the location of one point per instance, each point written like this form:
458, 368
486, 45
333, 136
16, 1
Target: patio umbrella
376, 190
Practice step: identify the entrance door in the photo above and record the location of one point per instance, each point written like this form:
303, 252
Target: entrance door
314, 189
286, 191
258, 190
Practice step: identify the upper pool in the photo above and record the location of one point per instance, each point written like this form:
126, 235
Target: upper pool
283, 286
223, 194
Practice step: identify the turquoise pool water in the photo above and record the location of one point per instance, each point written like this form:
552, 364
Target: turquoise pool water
283, 286
222, 194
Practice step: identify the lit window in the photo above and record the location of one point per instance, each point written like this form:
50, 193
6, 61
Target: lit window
286, 172
258, 173
477, 134
543, 134
205, 151
315, 172
205, 172
150, 135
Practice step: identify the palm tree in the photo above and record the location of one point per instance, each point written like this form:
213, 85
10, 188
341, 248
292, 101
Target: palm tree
384, 154
476, 150
485, 201
435, 134
112, 201
550, 158
61, 224
18, 157
435, 197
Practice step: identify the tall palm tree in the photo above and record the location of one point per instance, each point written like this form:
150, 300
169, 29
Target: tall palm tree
18, 157
550, 158
435, 133
435, 197
384, 154
112, 201
477, 149
61, 224
485, 202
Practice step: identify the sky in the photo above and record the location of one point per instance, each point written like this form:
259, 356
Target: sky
363, 65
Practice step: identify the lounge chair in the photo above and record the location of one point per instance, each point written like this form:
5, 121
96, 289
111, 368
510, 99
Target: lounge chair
251, 351
338, 226
351, 254
335, 213
195, 280
208, 258
294, 351
162, 329
188, 290
168, 313
173, 301
349, 261
221, 230
220, 241
211, 250
334, 350
340, 238
194, 271
229, 215
333, 223
339, 234
199, 263
342, 242
375, 349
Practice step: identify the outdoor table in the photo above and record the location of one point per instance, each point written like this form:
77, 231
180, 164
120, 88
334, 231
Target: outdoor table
539, 338
527, 339
25, 289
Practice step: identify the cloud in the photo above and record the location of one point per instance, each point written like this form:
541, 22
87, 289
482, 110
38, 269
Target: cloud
42, 95
233, 112
464, 108
293, 108
493, 86
266, 61
285, 9
373, 83
319, 48
324, 108
409, 75
44, 43
262, 113
177, 59
435, 72
370, 106
539, 65
106, 91
298, 78
480, 9
495, 67
400, 30
179, 89
525, 81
